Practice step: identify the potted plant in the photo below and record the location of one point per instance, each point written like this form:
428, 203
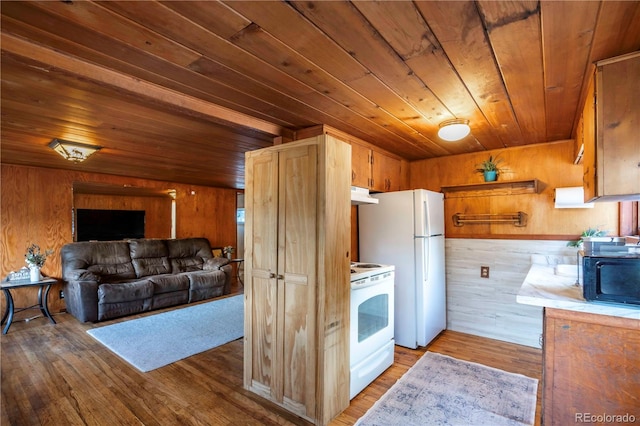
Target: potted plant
489, 168
35, 259
589, 232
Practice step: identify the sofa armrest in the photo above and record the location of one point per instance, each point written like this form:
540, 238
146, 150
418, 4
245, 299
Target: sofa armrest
81, 275
214, 263
81, 299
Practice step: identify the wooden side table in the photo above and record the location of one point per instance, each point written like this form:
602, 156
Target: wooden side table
239, 263
44, 284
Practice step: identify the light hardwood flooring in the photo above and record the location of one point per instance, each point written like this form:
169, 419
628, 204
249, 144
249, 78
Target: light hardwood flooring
58, 374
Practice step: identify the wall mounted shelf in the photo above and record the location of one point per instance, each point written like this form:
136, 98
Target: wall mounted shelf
513, 187
518, 219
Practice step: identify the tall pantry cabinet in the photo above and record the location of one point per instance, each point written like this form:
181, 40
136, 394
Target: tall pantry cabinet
297, 267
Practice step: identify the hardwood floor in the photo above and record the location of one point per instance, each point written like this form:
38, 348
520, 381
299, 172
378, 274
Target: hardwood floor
58, 374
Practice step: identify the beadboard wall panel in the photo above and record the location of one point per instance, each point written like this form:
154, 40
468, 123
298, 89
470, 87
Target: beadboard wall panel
487, 306
37, 207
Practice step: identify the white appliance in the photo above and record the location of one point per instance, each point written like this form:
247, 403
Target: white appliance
406, 229
371, 348
361, 196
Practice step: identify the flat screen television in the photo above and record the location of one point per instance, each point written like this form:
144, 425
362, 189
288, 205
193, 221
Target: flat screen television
109, 225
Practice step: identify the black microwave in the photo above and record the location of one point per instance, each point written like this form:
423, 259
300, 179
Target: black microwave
613, 278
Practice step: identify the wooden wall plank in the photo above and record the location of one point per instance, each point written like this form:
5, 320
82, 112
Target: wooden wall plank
514, 34
566, 57
552, 164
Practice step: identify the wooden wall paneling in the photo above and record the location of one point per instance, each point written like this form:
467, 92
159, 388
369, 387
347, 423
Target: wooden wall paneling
37, 207
591, 365
552, 164
157, 216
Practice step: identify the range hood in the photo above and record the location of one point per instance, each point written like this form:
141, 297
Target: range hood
361, 196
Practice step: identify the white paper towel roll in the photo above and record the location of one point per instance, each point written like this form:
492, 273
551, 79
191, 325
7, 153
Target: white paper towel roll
571, 198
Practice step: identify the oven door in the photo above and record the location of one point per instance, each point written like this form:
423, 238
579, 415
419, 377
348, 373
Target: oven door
371, 319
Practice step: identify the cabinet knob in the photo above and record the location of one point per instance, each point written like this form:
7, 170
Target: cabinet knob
272, 275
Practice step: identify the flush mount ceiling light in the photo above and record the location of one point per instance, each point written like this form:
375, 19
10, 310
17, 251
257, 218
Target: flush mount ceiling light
454, 130
73, 151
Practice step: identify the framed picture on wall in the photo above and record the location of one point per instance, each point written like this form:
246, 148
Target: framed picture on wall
217, 251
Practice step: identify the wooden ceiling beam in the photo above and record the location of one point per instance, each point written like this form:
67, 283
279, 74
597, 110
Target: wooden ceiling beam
153, 92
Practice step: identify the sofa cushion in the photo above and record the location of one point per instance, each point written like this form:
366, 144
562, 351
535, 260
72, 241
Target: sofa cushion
122, 292
149, 257
108, 259
205, 285
164, 300
188, 254
168, 283
113, 272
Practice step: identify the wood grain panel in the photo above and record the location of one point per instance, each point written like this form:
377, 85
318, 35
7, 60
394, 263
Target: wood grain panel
158, 210
514, 34
591, 367
466, 45
566, 56
552, 164
37, 207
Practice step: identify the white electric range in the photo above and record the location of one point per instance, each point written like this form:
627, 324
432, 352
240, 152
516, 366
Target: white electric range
372, 322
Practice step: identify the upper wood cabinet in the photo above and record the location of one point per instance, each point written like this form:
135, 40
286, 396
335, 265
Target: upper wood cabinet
370, 168
374, 170
297, 262
611, 129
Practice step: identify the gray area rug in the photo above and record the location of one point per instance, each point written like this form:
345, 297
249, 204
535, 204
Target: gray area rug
157, 340
441, 390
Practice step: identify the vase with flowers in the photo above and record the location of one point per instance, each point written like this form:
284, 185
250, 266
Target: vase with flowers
228, 251
35, 260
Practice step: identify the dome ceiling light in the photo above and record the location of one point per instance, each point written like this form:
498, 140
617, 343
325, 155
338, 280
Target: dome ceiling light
454, 130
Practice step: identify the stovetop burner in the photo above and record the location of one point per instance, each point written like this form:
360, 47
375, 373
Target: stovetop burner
364, 270
368, 265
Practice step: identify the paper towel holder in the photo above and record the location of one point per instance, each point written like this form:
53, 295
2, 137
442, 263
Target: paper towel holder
571, 198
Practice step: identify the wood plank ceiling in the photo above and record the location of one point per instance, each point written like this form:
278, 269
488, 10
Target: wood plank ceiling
178, 91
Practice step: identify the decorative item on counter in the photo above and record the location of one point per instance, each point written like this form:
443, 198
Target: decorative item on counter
489, 168
228, 251
589, 232
35, 259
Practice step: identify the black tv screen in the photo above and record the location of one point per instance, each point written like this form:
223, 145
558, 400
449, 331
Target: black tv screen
108, 225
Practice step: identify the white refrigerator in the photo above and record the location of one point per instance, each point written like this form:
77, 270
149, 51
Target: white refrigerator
406, 229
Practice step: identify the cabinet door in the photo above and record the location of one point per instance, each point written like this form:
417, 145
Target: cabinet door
280, 255
618, 126
297, 277
261, 247
360, 166
385, 173
589, 141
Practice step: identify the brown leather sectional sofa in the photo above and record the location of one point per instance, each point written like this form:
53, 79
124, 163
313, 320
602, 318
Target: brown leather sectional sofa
110, 279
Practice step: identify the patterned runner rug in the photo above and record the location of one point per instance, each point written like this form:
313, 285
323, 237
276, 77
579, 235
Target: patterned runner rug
157, 340
441, 390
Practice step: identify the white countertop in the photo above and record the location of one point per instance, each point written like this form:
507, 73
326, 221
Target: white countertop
542, 287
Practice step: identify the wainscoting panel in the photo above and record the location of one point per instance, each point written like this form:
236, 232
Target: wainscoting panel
487, 306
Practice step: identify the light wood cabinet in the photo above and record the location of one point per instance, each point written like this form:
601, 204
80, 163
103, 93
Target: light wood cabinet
297, 240
374, 170
611, 125
591, 366
370, 168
